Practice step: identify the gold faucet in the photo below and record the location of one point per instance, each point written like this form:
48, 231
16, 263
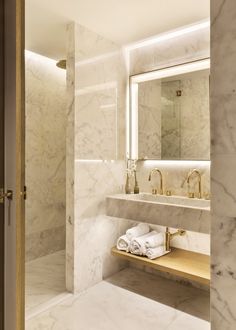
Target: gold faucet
169, 236
199, 194
154, 190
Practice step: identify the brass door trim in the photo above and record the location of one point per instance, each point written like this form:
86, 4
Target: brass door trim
20, 164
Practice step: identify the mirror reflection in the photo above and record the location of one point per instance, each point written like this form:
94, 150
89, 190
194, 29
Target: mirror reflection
173, 117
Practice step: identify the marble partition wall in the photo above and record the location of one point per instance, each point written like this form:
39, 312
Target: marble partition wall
223, 149
96, 136
45, 156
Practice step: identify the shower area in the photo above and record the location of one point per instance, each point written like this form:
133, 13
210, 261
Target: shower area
45, 153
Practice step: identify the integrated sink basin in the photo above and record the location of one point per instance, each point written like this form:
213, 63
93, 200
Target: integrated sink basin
169, 200
174, 211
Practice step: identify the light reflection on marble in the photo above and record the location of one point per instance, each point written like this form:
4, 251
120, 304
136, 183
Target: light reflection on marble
129, 300
174, 177
189, 47
45, 279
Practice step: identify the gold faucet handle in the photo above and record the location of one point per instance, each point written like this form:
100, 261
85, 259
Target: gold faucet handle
191, 195
154, 191
207, 196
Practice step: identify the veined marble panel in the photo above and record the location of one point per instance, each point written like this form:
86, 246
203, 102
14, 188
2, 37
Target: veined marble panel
100, 97
96, 124
94, 180
186, 48
97, 86
45, 151
187, 218
223, 123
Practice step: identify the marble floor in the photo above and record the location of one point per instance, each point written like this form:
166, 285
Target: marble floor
131, 299
45, 280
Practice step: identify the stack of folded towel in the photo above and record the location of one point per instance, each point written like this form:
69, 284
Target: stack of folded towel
141, 241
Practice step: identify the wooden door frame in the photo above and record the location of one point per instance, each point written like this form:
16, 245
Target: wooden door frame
2, 222
20, 164
14, 34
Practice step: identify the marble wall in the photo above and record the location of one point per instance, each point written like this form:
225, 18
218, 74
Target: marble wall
45, 156
184, 48
96, 137
188, 47
174, 176
223, 155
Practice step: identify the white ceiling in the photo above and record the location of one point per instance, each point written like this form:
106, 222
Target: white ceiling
122, 21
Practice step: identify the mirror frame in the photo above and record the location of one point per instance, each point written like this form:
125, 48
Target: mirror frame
132, 117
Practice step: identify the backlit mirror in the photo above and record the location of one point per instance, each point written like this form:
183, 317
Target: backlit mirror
169, 115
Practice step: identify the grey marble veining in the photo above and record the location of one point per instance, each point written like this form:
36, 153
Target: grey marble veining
182, 49
96, 81
129, 300
223, 124
45, 155
187, 218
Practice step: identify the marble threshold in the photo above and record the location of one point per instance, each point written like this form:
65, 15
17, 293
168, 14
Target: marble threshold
44, 283
130, 299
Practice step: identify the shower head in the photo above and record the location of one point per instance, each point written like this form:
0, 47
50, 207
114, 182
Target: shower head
61, 64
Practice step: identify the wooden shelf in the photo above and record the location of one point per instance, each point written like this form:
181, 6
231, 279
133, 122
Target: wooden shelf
186, 264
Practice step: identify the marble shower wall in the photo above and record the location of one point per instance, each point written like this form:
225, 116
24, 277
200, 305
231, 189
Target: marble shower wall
96, 137
45, 156
223, 149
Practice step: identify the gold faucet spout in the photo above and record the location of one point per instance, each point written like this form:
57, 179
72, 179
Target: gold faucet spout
169, 236
156, 170
190, 174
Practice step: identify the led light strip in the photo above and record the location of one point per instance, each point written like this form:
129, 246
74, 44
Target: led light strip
169, 35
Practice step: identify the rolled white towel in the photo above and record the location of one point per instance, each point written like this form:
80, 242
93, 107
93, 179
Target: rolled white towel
155, 240
123, 243
139, 230
153, 253
137, 245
